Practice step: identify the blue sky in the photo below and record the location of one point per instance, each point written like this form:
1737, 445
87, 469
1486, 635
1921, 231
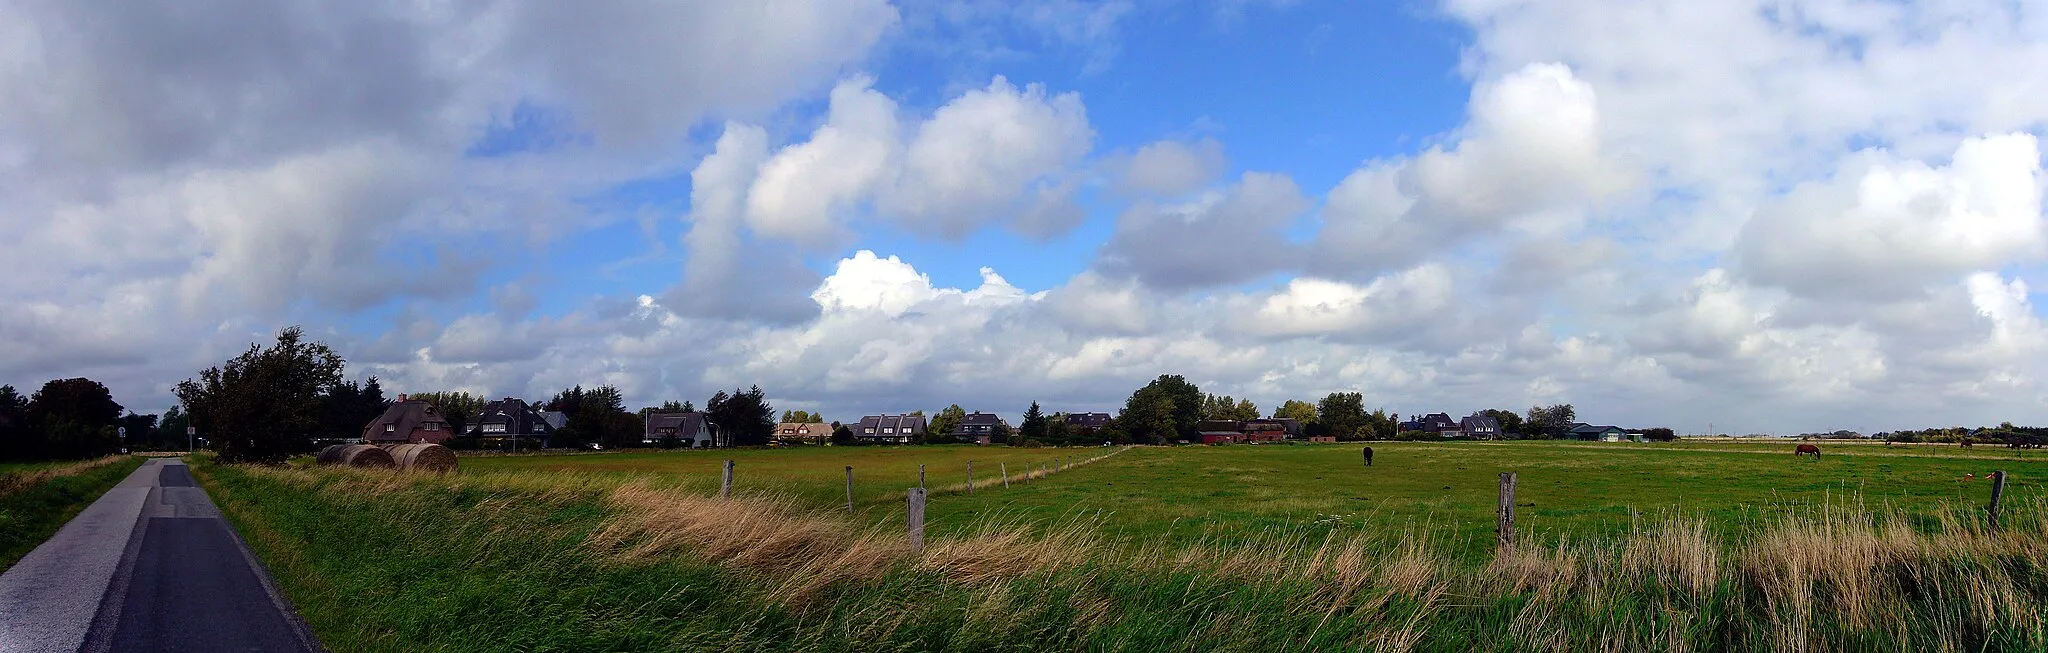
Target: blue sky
1665, 212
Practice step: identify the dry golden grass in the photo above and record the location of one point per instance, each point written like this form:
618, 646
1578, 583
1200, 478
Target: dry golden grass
18, 481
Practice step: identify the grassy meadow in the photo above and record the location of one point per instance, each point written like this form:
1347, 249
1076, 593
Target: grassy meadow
1257, 548
37, 498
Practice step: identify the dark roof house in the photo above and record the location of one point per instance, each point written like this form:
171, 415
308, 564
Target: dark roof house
1584, 431
1437, 422
976, 426
1481, 426
691, 428
511, 418
1087, 422
408, 421
900, 428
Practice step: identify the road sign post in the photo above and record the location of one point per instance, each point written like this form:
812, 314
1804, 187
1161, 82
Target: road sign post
189, 432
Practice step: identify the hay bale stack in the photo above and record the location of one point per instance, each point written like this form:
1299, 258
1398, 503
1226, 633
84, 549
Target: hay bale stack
331, 455
363, 455
423, 457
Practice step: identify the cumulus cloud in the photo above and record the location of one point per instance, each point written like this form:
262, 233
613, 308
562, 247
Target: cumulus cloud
1532, 145
1221, 237
981, 153
1169, 168
1883, 227
805, 191
1321, 307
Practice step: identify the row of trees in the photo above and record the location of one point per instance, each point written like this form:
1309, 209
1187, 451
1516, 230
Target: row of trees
67, 418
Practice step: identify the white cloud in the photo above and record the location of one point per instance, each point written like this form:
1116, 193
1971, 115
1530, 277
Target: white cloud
1170, 168
980, 153
1221, 237
805, 191
1310, 306
1886, 228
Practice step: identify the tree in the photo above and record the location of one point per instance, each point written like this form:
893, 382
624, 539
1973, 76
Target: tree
941, 427
459, 408
1509, 421
1299, 411
1659, 434
170, 431
801, 417
1034, 426
672, 406
347, 408
596, 415
1550, 421
1228, 408
1167, 408
842, 436
1057, 431
1380, 425
744, 417
264, 404
71, 418
1343, 413
999, 434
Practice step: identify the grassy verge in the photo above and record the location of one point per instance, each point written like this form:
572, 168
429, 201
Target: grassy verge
538, 562
37, 500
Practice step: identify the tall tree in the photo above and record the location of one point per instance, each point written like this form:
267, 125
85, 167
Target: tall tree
1033, 428
1299, 411
1379, 425
349, 407
596, 415
266, 403
1551, 421
1057, 431
73, 418
1509, 421
800, 417
1167, 408
744, 418
672, 406
170, 431
1343, 413
942, 424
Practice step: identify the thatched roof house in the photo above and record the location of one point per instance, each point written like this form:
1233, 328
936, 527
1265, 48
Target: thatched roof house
408, 421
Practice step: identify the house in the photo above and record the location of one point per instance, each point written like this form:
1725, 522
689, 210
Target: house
1263, 430
1584, 431
803, 431
1438, 423
511, 418
1211, 431
979, 427
1291, 425
1481, 427
1087, 422
406, 421
555, 418
901, 428
691, 427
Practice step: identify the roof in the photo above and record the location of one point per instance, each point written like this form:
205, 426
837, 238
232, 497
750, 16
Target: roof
555, 418
684, 423
1218, 426
1476, 422
798, 428
1438, 418
914, 423
404, 416
981, 419
1088, 419
1589, 428
523, 418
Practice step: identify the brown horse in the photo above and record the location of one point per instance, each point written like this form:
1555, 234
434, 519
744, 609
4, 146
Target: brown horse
1368, 456
1804, 449
1966, 444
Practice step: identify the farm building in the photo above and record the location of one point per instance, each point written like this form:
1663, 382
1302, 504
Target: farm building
1591, 432
1263, 430
1219, 431
689, 427
901, 428
511, 418
408, 421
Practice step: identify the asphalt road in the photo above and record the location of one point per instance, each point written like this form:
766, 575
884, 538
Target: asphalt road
151, 566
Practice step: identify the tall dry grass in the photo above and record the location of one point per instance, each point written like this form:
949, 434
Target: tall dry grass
18, 481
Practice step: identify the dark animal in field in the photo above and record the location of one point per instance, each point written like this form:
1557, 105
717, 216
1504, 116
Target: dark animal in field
1368, 456
1804, 449
1965, 444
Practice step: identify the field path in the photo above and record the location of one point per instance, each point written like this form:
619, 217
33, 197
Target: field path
150, 566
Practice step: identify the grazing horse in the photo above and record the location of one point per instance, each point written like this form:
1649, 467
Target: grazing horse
1804, 449
1368, 456
1965, 444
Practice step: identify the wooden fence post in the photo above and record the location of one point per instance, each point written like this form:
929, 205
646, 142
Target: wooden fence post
970, 477
1006, 476
920, 477
1507, 508
917, 519
849, 488
1997, 494
725, 487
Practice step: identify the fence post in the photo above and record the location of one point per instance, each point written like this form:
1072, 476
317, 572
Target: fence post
917, 519
970, 477
1507, 508
1006, 476
920, 477
725, 487
1997, 493
849, 488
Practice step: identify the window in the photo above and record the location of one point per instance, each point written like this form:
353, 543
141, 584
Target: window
433, 426
887, 430
870, 430
494, 428
388, 428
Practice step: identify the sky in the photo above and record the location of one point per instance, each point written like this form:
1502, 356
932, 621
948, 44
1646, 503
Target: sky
1774, 216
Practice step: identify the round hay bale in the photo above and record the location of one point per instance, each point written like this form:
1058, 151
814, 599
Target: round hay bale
363, 455
423, 458
331, 455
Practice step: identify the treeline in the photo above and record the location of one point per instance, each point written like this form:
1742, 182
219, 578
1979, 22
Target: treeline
2004, 433
67, 419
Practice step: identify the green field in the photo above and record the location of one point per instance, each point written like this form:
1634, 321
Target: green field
37, 498
1227, 494
1255, 548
